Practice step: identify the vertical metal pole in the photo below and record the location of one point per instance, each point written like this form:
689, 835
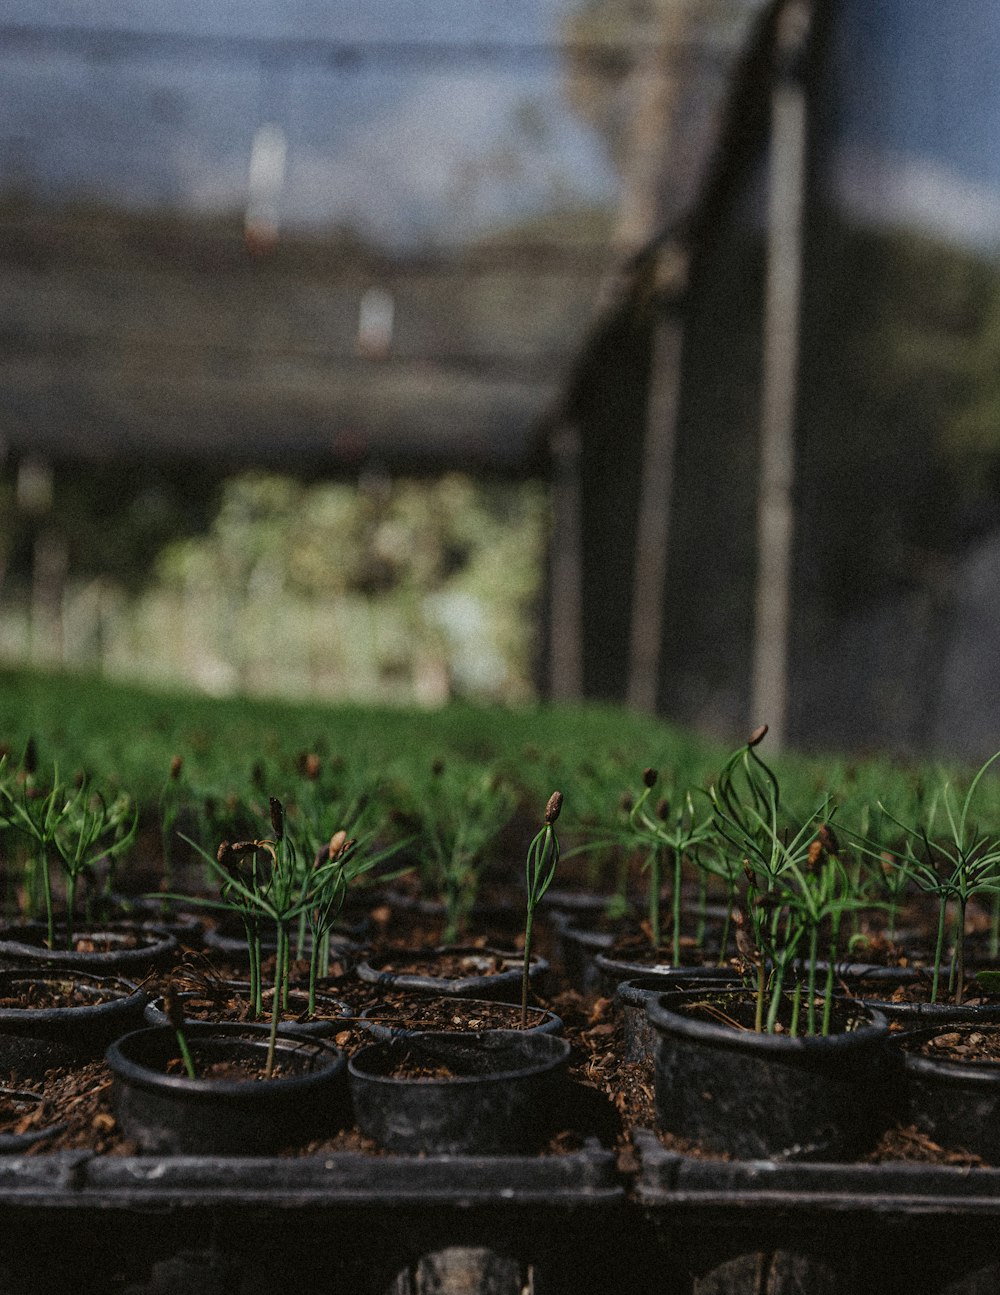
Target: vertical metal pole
655, 489
566, 568
775, 507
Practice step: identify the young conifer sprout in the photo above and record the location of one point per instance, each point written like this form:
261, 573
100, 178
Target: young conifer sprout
175, 1015
540, 868
797, 885
955, 863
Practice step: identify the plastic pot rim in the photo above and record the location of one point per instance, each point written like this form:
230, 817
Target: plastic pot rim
550, 1023
374, 974
139, 1075
132, 996
711, 1034
973, 1073
155, 944
557, 1046
156, 1016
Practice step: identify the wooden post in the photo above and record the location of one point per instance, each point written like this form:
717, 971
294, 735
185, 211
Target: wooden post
775, 507
656, 484
566, 568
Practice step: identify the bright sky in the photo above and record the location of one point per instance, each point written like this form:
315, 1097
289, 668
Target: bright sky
920, 114
404, 149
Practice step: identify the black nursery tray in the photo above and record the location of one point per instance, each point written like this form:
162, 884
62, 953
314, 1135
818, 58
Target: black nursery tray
374, 1225
82, 1179
670, 1178
836, 1228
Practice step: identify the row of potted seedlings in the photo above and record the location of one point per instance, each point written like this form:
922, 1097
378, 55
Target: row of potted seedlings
766, 990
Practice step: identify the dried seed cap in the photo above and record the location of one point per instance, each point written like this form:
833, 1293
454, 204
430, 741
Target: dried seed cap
553, 807
277, 817
757, 736
176, 765
172, 1007
649, 777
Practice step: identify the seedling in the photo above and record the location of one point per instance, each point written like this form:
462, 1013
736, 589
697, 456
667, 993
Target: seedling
797, 886
678, 834
540, 868
175, 1015
460, 812
76, 826
955, 865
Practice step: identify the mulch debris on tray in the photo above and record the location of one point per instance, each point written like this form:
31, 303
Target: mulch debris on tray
46, 993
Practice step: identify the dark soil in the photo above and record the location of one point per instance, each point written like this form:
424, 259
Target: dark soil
636, 947
417, 1013
738, 1012
45, 993
407, 1066
17, 1112
85, 941
975, 1044
79, 1098
919, 991
448, 966
233, 1070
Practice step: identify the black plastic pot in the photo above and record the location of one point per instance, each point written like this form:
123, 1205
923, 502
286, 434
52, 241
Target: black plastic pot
957, 1103
612, 970
478, 982
577, 947
919, 1016
173, 1114
377, 1020
33, 1040
632, 997
173, 917
231, 945
128, 949
767, 1095
320, 1026
500, 1100
14, 1143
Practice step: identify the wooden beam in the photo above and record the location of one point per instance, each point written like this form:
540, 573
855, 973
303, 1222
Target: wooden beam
566, 567
775, 506
656, 485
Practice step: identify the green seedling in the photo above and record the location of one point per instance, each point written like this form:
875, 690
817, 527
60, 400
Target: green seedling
540, 868
461, 811
955, 865
677, 834
175, 1015
797, 886
270, 880
74, 826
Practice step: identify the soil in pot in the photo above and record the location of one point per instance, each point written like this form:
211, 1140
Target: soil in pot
904, 998
418, 1014
128, 949
462, 971
56, 1018
952, 1079
754, 1095
493, 1093
229, 1108
229, 1002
